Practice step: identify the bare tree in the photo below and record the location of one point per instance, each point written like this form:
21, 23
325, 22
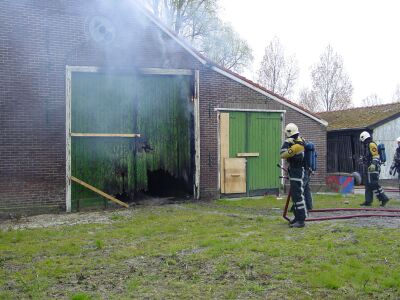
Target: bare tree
185, 16
331, 86
227, 49
197, 21
308, 99
371, 100
396, 94
278, 73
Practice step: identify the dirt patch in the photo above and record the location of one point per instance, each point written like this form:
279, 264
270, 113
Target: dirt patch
88, 217
52, 220
108, 216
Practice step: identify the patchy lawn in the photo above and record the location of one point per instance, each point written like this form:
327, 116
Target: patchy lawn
226, 249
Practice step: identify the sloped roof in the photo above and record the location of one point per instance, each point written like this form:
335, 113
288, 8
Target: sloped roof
361, 117
229, 73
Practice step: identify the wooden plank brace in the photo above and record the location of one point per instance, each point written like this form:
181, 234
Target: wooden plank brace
101, 193
128, 135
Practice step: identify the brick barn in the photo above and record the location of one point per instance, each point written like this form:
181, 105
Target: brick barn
100, 98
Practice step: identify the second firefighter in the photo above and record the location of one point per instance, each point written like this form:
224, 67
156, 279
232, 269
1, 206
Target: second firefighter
372, 160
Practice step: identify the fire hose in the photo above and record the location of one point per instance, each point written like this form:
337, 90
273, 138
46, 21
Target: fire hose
284, 215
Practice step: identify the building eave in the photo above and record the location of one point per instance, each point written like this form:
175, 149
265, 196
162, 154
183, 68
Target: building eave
381, 122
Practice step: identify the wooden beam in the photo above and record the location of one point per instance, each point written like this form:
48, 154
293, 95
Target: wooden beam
128, 135
68, 93
196, 108
253, 154
248, 109
92, 188
224, 147
159, 71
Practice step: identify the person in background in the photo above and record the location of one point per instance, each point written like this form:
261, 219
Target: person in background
372, 160
395, 167
292, 151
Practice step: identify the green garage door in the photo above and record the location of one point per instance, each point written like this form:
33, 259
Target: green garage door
156, 107
257, 132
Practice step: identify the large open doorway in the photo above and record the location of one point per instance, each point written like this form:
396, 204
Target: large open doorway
131, 136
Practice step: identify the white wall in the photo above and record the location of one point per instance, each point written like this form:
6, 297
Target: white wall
387, 134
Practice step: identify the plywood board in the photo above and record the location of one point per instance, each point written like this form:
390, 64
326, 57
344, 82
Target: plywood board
235, 175
224, 146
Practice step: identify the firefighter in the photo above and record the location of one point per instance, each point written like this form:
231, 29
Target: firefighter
292, 151
306, 186
373, 162
395, 167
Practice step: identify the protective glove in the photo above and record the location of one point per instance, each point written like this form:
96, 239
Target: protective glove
371, 168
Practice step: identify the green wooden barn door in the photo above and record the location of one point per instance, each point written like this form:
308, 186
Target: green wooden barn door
264, 137
237, 133
164, 120
156, 107
102, 104
257, 132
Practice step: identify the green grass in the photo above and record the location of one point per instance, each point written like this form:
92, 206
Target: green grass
226, 249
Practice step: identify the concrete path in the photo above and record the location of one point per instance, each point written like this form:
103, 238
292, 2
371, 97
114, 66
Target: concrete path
391, 192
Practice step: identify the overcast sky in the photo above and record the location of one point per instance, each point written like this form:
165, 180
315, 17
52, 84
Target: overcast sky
365, 33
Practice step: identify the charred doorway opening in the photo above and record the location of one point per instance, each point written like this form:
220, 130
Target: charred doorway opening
132, 137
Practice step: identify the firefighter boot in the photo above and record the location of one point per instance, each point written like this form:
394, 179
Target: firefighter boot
297, 224
380, 194
368, 197
384, 199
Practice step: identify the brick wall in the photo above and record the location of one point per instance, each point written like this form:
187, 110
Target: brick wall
38, 38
